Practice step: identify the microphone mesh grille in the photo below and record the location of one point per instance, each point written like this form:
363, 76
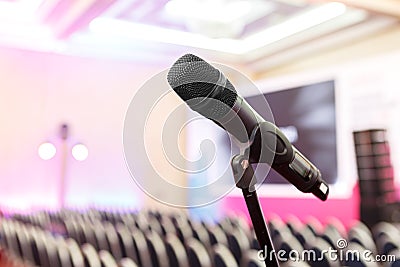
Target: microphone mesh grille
193, 79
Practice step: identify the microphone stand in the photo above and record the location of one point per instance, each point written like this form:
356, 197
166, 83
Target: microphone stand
245, 179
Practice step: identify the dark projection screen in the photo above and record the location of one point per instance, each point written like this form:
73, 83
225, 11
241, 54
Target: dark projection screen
306, 115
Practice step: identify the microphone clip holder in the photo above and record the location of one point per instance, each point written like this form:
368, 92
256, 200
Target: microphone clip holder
268, 145
245, 179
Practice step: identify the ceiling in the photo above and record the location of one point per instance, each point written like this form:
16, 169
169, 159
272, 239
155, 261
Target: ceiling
242, 31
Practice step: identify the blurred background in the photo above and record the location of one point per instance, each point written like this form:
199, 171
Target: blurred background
69, 70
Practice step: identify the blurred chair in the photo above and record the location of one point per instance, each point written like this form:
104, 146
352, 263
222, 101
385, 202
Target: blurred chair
387, 237
176, 251
305, 236
197, 254
141, 221
155, 225
158, 253
287, 242
385, 228
141, 249
126, 242
254, 243
39, 249
63, 252
314, 225
89, 235
51, 248
396, 262
201, 234
217, 236
331, 235
338, 225
100, 235
294, 224
275, 223
363, 237
11, 237
321, 259
113, 241
90, 255
238, 243
223, 257
25, 244
70, 230
226, 224
387, 243
167, 227
182, 227
250, 259
240, 221
127, 262
278, 228
106, 259
75, 252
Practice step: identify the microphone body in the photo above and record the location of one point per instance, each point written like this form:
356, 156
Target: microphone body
214, 97
265, 138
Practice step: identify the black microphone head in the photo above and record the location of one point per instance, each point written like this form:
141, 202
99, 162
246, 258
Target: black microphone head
203, 87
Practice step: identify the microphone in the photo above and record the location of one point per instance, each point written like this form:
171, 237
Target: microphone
207, 91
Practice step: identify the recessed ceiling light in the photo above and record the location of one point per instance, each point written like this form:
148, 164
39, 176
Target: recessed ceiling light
295, 25
209, 10
291, 26
298, 3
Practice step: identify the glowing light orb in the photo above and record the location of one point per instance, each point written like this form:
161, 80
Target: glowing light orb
80, 152
47, 151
